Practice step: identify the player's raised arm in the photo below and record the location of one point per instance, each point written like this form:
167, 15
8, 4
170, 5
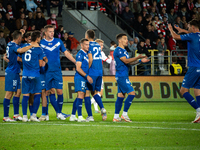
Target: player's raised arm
134, 59
180, 30
26, 48
174, 35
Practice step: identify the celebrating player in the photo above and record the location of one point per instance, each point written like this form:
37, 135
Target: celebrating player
32, 61
96, 72
104, 59
12, 79
52, 47
80, 79
124, 85
192, 77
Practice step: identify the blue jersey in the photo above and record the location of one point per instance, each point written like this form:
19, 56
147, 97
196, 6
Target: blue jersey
121, 68
83, 58
11, 51
30, 60
96, 68
52, 50
193, 48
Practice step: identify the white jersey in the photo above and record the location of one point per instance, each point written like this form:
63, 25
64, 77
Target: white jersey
105, 58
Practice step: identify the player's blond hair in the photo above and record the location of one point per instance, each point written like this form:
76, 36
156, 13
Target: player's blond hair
99, 41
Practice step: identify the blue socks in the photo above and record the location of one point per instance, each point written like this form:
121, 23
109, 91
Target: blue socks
16, 105
54, 103
47, 111
128, 102
79, 106
36, 103
88, 106
6, 105
118, 104
190, 100
25, 104
98, 100
198, 100
60, 102
74, 107
44, 111
31, 109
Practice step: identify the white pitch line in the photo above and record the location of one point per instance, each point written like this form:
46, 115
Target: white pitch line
111, 126
153, 122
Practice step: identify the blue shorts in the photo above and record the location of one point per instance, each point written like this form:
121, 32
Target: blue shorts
31, 85
12, 82
192, 78
54, 80
96, 85
42, 78
124, 85
80, 84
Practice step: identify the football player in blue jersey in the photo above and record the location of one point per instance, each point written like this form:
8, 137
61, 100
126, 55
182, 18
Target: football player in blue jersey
52, 47
192, 77
104, 59
31, 84
124, 85
96, 72
80, 79
12, 79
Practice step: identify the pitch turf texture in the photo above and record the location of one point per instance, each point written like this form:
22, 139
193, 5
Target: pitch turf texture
155, 126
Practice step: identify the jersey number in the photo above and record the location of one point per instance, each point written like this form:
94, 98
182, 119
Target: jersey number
27, 56
97, 54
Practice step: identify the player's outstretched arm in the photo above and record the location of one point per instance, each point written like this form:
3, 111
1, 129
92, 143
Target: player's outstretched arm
180, 30
130, 60
174, 35
81, 72
69, 56
90, 59
24, 49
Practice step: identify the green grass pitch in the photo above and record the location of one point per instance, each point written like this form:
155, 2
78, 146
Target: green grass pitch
155, 126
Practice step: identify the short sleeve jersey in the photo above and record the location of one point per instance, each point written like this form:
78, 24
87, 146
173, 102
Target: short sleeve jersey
30, 60
11, 51
193, 40
52, 51
96, 68
83, 58
121, 67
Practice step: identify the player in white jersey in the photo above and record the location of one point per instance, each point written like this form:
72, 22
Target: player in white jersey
104, 59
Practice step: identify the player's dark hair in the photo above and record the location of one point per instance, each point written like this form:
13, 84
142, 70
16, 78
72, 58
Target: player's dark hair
112, 43
174, 59
27, 34
35, 35
90, 33
195, 23
83, 40
16, 34
119, 36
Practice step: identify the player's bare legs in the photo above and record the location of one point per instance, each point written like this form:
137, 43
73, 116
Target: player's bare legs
190, 99
44, 106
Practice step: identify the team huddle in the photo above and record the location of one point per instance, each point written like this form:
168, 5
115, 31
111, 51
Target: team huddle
42, 76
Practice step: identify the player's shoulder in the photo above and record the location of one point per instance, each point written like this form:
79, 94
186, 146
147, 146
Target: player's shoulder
93, 43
